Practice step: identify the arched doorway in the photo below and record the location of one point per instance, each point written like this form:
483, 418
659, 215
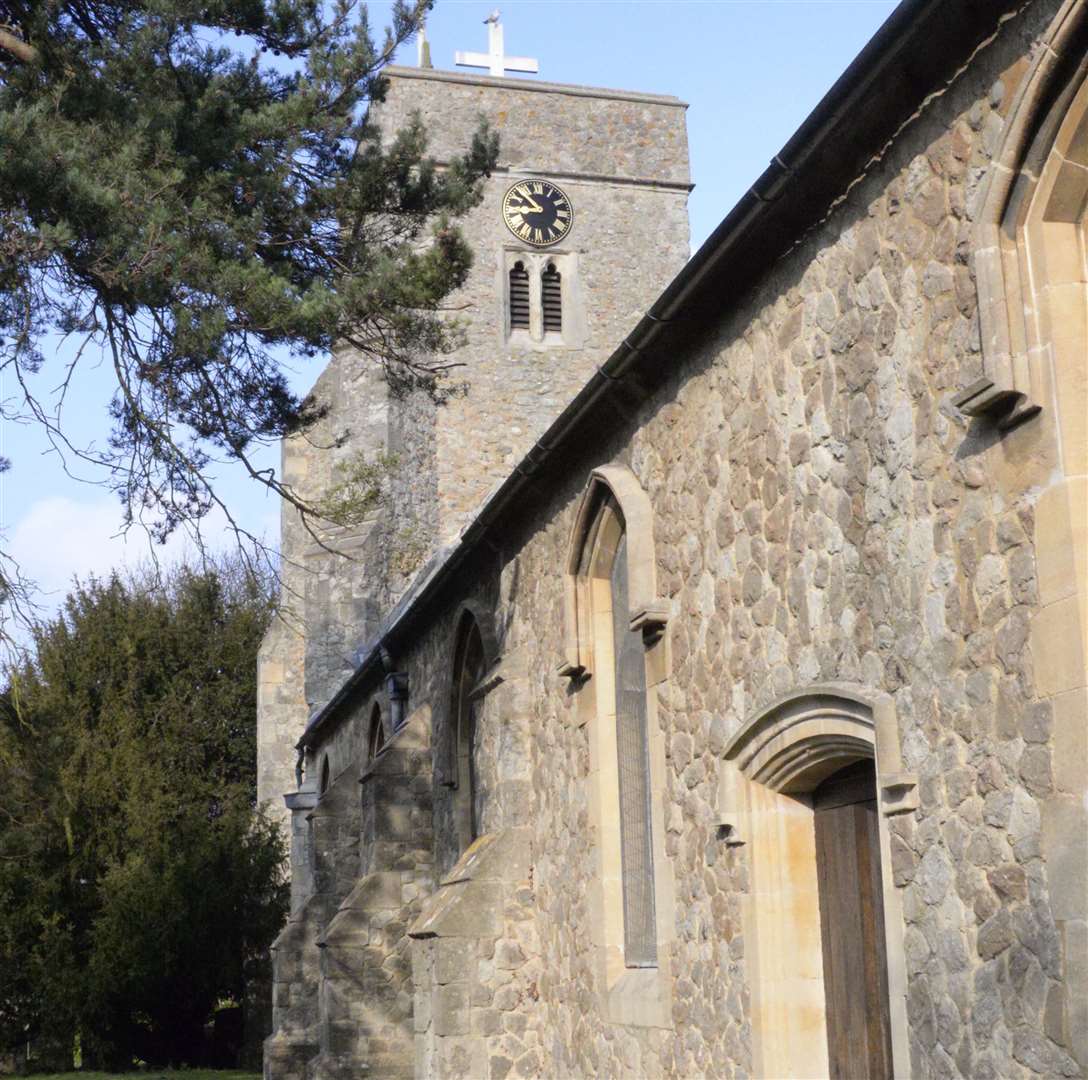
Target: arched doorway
807, 785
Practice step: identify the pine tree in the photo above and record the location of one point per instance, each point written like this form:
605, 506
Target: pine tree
173, 194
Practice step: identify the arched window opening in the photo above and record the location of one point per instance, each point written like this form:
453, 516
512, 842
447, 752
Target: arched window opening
1032, 226
376, 735
519, 297
620, 651
616, 656
324, 775
551, 282
468, 670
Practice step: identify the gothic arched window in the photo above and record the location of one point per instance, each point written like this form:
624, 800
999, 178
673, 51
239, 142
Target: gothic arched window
551, 298
375, 738
519, 297
615, 632
621, 649
468, 668
324, 776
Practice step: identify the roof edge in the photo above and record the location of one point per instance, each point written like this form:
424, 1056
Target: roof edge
922, 41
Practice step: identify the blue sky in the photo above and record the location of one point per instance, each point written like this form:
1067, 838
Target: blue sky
751, 71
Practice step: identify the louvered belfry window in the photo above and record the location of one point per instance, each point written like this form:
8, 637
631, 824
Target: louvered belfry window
519, 297
636, 841
551, 295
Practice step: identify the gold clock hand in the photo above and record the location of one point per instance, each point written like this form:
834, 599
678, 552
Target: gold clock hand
531, 204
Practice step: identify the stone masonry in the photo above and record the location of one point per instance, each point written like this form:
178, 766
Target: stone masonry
821, 513
623, 160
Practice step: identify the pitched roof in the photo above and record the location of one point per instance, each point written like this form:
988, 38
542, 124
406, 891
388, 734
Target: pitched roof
923, 45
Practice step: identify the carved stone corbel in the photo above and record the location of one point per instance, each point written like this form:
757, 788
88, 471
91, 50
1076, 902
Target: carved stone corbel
651, 619
732, 807
1001, 406
567, 669
396, 685
898, 793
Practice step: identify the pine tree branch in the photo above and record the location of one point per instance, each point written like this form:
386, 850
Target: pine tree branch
17, 47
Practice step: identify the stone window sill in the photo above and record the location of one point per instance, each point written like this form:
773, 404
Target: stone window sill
641, 998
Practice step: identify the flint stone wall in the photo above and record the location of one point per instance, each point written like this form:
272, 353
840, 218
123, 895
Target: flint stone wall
821, 513
622, 160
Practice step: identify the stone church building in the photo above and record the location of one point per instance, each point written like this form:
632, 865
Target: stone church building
707, 697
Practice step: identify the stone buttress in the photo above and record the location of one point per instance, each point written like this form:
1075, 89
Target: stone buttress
342, 992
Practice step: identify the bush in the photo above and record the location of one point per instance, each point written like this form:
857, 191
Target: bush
138, 877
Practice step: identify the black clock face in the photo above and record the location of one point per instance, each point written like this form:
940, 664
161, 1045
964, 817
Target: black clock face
537, 212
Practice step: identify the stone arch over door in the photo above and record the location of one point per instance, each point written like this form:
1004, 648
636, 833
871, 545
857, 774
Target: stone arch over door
1032, 273
773, 765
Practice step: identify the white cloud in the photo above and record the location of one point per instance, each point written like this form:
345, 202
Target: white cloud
60, 538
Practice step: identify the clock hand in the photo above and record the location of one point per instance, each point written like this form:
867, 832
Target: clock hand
532, 204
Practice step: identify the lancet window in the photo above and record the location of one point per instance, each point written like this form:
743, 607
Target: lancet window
542, 301
640, 939
468, 670
375, 739
612, 646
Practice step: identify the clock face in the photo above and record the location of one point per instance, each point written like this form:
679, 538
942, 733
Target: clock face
537, 212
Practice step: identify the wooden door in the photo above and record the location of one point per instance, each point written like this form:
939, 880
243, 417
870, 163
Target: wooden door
852, 925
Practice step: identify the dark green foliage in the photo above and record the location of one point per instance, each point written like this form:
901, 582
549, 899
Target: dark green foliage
156, 1074
173, 195
137, 878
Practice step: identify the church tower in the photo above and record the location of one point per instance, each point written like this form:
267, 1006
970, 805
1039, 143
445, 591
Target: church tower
582, 224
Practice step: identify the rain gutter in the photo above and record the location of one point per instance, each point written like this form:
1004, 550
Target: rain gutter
919, 49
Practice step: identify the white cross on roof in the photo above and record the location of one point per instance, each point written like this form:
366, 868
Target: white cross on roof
493, 59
